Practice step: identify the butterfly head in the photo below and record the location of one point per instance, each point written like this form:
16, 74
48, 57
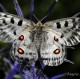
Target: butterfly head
38, 24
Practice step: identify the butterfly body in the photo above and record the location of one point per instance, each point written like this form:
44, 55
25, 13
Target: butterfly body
31, 41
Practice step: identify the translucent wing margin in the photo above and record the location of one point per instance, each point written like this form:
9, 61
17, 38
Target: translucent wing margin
68, 28
11, 26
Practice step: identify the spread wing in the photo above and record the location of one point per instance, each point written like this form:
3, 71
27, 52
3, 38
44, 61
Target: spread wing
68, 30
11, 26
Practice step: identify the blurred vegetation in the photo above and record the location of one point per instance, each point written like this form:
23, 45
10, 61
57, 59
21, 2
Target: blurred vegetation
63, 9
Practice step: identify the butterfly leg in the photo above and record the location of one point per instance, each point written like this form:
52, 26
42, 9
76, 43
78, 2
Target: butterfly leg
18, 9
24, 64
70, 47
66, 60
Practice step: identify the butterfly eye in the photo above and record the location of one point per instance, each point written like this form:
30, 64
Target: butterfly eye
20, 51
21, 37
55, 38
57, 51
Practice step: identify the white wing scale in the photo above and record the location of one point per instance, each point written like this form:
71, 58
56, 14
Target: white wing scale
11, 26
69, 29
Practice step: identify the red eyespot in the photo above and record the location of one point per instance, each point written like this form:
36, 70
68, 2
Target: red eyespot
21, 37
20, 51
55, 38
57, 51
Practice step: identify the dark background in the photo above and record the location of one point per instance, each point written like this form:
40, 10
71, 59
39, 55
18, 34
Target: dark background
63, 9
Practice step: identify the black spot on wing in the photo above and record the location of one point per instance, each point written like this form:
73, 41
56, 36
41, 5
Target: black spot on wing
20, 22
5, 15
73, 20
4, 22
74, 23
62, 35
66, 24
12, 20
14, 32
58, 25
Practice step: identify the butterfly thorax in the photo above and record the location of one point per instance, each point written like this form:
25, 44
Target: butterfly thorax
36, 34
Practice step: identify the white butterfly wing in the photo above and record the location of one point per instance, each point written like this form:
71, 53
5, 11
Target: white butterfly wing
16, 30
68, 29
11, 26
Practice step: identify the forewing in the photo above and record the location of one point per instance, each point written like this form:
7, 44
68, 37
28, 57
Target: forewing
11, 26
68, 29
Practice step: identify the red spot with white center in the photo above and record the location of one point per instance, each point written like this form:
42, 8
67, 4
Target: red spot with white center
20, 51
21, 37
55, 38
57, 51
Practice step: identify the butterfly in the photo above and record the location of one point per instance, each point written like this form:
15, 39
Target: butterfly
32, 41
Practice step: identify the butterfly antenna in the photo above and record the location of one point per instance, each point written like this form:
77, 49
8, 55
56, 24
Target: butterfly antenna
66, 60
44, 17
50, 9
70, 47
18, 9
3, 9
35, 17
